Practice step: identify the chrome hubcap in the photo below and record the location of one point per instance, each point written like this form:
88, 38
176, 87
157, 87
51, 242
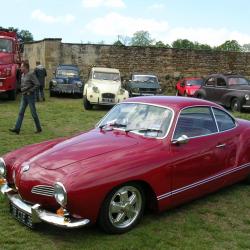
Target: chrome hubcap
125, 206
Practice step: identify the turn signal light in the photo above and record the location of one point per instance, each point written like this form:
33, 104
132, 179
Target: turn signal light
2, 181
60, 212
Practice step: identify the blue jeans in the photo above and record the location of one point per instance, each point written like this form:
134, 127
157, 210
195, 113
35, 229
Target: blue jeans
25, 101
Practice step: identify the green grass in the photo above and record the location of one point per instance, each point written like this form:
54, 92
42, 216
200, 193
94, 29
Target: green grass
218, 221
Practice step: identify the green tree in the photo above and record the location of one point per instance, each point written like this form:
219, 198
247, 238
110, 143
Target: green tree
246, 47
183, 44
23, 35
230, 45
118, 43
141, 38
160, 44
202, 46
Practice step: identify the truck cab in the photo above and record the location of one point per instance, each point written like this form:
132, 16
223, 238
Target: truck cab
10, 60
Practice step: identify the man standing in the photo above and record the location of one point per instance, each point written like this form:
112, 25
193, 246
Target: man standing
29, 83
41, 73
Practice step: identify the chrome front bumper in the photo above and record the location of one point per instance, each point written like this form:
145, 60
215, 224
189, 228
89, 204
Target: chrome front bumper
40, 215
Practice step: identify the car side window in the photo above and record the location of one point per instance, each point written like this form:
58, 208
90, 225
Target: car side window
224, 120
221, 83
210, 82
195, 121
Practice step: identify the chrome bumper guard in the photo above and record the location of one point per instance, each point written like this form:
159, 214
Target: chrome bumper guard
38, 214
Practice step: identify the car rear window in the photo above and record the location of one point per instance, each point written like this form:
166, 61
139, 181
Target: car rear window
224, 120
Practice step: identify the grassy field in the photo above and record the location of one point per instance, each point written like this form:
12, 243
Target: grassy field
218, 221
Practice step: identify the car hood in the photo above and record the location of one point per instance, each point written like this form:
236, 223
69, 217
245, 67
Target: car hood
107, 86
80, 148
6, 58
144, 85
70, 80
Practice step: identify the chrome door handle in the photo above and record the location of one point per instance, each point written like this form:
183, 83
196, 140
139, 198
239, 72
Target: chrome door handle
221, 145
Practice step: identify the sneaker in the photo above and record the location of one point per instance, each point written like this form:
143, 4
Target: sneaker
13, 130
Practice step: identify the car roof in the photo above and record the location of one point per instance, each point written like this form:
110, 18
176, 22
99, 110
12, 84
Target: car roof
141, 74
174, 102
227, 75
67, 66
192, 78
103, 69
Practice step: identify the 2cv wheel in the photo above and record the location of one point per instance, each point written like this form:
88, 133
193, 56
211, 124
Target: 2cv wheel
122, 209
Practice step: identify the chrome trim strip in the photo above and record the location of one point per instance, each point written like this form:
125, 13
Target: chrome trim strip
201, 182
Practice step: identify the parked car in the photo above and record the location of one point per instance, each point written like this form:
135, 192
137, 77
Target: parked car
147, 152
188, 86
67, 80
103, 88
229, 90
143, 84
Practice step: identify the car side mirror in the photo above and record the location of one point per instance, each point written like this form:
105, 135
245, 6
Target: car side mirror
183, 139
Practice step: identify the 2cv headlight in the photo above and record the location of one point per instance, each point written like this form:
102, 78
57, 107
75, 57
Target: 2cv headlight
3, 170
60, 194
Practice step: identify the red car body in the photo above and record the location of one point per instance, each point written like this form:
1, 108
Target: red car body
91, 164
188, 86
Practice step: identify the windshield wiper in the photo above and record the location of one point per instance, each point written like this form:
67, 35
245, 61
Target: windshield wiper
144, 130
114, 125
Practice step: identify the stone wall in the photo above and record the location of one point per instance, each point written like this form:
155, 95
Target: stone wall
168, 64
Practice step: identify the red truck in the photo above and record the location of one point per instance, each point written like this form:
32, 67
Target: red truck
10, 59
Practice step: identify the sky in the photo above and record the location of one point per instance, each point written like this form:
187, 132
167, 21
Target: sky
92, 21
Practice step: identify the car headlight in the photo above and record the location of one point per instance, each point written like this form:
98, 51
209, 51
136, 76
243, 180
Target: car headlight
95, 89
122, 91
247, 97
60, 194
54, 82
3, 170
79, 84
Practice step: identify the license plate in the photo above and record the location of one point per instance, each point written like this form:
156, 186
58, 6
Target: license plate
108, 100
21, 216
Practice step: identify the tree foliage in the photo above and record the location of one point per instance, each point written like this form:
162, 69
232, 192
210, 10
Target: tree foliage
23, 35
141, 38
246, 47
230, 45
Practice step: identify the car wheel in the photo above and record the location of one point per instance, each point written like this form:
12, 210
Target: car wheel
122, 209
200, 96
236, 105
87, 105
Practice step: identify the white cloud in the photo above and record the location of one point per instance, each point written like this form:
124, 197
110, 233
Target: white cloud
211, 36
114, 24
102, 3
42, 17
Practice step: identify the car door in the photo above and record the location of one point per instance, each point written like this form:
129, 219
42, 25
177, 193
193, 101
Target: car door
220, 90
199, 162
209, 88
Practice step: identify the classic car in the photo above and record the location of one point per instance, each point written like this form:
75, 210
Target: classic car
148, 152
188, 86
229, 90
142, 84
103, 88
67, 80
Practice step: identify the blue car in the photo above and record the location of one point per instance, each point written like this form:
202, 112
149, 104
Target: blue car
67, 80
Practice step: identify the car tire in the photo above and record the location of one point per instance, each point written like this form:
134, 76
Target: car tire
236, 105
122, 209
87, 105
200, 96
12, 95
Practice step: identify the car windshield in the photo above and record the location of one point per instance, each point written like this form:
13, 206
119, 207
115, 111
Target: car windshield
195, 82
5, 45
142, 78
106, 76
67, 73
237, 81
144, 119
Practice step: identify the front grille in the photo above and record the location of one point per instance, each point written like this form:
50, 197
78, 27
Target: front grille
43, 190
108, 95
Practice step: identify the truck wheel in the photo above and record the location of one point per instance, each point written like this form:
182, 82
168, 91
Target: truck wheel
236, 105
12, 95
87, 105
